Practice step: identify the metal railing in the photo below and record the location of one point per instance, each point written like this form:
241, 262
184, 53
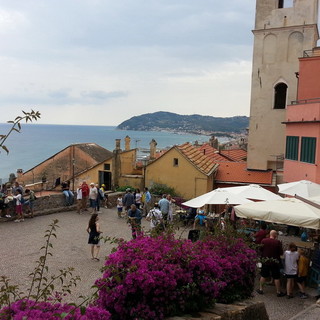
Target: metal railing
311, 53
306, 101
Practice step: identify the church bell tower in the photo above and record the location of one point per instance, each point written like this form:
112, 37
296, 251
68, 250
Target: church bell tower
283, 30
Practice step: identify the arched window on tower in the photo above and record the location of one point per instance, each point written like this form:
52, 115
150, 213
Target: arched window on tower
280, 96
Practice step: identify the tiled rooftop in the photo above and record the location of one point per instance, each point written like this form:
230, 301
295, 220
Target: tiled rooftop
235, 154
212, 153
237, 172
200, 160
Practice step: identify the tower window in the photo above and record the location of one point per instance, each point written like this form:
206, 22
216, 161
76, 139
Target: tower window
280, 96
285, 4
175, 162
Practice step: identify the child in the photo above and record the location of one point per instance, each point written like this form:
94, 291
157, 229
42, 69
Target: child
119, 206
19, 200
30, 202
303, 266
200, 217
291, 257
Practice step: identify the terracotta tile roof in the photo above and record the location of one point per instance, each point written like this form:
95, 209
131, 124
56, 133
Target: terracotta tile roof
201, 161
96, 152
237, 172
235, 154
212, 153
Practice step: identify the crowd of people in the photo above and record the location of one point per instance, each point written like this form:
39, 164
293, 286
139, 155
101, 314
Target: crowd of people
16, 200
291, 263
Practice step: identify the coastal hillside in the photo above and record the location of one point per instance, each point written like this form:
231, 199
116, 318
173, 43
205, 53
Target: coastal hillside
185, 123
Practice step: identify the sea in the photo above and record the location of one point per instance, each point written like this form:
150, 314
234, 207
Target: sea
37, 142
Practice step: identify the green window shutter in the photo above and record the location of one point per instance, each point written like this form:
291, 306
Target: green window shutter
308, 149
292, 144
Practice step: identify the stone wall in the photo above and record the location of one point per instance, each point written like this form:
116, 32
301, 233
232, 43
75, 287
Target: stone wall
245, 310
56, 203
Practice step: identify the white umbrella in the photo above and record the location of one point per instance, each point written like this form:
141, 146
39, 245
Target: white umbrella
217, 196
254, 191
288, 211
302, 188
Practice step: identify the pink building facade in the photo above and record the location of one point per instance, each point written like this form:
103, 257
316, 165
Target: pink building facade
302, 154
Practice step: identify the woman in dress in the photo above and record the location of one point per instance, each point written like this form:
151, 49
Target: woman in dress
94, 236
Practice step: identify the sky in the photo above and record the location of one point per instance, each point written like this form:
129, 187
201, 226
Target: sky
101, 62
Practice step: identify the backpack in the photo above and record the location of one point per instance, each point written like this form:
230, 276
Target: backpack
101, 194
32, 196
22, 200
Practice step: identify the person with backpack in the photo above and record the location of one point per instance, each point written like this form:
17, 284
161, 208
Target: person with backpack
100, 197
30, 202
155, 218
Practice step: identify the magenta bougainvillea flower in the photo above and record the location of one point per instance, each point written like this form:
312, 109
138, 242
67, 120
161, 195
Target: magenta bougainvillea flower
31, 310
150, 278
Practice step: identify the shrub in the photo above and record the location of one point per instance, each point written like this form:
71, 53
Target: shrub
160, 189
29, 309
124, 188
150, 278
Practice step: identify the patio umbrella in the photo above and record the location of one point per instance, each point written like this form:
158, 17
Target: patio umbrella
217, 196
254, 191
302, 188
289, 211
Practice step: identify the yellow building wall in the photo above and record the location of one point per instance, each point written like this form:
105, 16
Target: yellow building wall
135, 182
92, 175
186, 180
127, 162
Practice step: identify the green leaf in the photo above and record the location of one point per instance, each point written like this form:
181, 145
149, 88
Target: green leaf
83, 310
5, 149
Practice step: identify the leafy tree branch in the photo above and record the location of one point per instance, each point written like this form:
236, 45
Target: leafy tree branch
16, 125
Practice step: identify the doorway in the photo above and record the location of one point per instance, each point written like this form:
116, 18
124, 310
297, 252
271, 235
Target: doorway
105, 178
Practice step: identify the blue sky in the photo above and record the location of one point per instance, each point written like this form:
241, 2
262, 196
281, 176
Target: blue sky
101, 62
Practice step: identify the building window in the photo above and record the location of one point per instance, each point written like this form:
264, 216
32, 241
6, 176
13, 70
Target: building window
280, 96
106, 166
285, 4
292, 145
175, 162
308, 149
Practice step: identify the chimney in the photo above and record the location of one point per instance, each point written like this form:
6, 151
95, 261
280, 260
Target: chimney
19, 173
127, 143
118, 141
153, 149
214, 142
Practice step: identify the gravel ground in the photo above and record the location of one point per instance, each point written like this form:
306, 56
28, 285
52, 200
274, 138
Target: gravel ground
20, 244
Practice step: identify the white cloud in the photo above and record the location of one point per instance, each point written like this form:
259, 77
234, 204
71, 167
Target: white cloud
102, 62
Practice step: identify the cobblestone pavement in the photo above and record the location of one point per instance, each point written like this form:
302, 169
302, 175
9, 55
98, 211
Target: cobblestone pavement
20, 244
